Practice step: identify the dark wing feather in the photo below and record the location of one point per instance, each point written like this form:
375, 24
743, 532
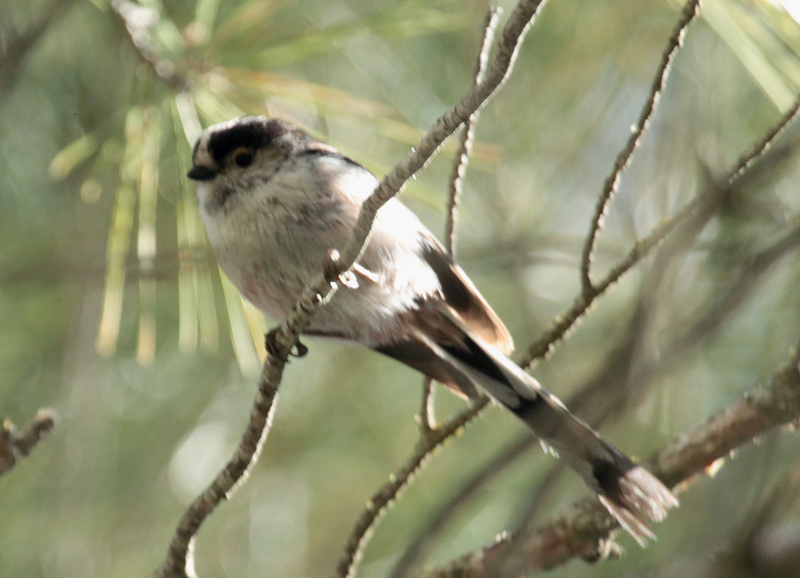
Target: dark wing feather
464, 299
420, 356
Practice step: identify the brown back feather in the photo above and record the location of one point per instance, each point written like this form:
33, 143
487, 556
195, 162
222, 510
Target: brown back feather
465, 300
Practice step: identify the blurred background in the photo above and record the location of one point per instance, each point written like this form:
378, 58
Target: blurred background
113, 311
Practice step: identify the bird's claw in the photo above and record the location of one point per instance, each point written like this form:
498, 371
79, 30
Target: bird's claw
270, 342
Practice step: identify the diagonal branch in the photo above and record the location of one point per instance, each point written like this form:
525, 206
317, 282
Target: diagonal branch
445, 126
698, 210
179, 562
483, 89
16, 445
467, 136
690, 10
584, 529
427, 419
704, 201
377, 505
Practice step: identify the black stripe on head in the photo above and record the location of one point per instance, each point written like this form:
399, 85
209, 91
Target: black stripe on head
255, 132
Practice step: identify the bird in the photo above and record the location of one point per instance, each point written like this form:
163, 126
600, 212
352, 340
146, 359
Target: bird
276, 201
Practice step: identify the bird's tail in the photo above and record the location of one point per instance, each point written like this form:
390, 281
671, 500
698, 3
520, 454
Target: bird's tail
628, 491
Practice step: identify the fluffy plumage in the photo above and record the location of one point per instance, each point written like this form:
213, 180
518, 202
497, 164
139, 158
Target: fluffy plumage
275, 201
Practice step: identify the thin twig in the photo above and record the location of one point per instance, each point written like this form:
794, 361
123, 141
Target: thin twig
698, 212
456, 180
467, 135
390, 491
701, 208
508, 47
584, 529
410, 560
427, 417
16, 445
179, 562
765, 144
563, 323
703, 201
609, 187
595, 402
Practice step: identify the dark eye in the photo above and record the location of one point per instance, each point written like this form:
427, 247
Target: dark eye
243, 157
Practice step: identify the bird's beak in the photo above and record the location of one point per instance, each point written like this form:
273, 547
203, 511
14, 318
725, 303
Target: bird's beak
201, 173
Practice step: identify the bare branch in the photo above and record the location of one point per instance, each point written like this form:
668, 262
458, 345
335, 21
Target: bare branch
467, 135
706, 200
698, 211
508, 46
427, 418
410, 560
763, 146
15, 446
586, 514
507, 49
390, 491
774, 403
456, 179
609, 187
179, 562
583, 531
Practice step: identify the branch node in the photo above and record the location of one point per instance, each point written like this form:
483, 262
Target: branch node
15, 446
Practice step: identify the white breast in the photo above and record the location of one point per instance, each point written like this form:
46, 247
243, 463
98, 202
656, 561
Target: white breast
272, 240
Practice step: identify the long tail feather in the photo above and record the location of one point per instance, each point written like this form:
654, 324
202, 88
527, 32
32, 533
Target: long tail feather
628, 491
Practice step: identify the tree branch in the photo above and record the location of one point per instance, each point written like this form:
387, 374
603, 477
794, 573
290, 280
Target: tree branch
583, 530
409, 562
389, 492
704, 201
508, 46
179, 562
467, 135
690, 10
456, 178
15, 446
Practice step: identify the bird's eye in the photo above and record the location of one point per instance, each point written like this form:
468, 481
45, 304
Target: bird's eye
243, 157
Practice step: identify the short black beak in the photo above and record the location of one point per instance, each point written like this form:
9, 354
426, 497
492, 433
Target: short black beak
199, 173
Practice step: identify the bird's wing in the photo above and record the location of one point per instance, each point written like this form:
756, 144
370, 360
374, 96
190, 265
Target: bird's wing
464, 299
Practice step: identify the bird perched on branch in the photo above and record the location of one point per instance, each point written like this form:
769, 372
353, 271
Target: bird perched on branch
275, 201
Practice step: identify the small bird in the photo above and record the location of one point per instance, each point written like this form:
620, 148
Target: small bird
276, 201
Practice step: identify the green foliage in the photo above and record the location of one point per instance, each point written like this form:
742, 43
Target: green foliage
114, 312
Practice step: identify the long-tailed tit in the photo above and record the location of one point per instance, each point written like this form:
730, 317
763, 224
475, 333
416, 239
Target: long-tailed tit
275, 201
